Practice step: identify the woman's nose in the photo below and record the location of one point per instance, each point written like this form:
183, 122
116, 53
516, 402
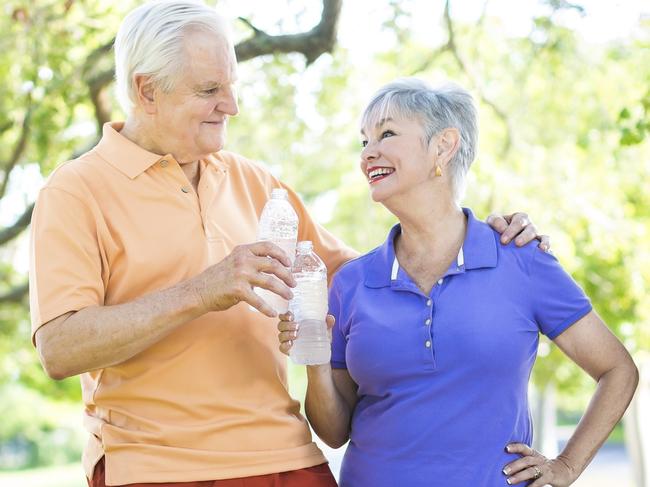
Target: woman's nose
369, 152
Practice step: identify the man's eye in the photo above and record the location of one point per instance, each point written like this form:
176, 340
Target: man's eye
211, 91
364, 143
387, 133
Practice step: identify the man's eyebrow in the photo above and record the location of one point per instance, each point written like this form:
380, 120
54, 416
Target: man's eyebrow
208, 84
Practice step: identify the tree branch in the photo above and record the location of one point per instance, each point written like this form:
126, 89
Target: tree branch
99, 98
474, 80
312, 44
6, 127
18, 150
97, 55
15, 295
9, 233
431, 58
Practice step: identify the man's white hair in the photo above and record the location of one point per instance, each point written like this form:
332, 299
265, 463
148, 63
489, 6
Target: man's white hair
150, 42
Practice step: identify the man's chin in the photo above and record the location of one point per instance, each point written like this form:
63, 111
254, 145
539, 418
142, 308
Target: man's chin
214, 144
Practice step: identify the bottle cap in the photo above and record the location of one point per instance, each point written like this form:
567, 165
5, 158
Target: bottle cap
279, 193
305, 247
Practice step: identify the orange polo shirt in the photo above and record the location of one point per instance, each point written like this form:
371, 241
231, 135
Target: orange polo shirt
208, 401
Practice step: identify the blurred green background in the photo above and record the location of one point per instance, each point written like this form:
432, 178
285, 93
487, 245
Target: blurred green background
564, 97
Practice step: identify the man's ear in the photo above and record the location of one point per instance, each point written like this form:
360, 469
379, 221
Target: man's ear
447, 146
145, 93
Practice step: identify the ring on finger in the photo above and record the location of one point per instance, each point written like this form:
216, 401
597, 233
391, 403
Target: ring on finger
538, 472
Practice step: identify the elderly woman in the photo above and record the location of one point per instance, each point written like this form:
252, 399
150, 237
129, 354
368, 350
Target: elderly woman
437, 329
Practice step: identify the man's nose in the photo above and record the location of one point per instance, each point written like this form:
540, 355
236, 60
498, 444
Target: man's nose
228, 104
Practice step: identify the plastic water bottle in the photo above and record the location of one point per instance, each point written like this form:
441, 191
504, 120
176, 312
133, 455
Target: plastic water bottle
278, 224
309, 308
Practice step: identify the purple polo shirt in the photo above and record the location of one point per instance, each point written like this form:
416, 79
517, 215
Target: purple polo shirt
443, 378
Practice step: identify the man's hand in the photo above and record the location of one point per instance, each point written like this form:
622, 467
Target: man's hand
261, 264
519, 227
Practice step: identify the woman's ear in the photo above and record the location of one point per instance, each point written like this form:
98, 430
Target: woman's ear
447, 146
145, 93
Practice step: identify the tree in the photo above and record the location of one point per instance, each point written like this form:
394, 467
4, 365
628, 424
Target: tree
563, 136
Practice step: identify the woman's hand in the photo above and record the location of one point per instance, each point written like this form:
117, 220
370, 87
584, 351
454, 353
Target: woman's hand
289, 330
536, 467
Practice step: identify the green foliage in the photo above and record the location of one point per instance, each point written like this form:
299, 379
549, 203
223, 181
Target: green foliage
634, 129
38, 432
564, 136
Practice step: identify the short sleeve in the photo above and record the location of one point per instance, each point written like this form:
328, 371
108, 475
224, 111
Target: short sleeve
558, 301
65, 260
338, 338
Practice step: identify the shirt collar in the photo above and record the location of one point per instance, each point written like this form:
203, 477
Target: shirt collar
479, 250
131, 159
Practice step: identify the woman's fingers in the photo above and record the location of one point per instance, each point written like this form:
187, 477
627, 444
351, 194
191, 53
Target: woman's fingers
528, 467
287, 336
520, 464
288, 316
520, 448
287, 326
534, 472
285, 347
288, 332
330, 320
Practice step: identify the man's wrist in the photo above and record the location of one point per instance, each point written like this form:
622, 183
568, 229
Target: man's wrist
194, 290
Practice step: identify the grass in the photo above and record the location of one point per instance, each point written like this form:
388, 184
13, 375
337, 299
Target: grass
71, 475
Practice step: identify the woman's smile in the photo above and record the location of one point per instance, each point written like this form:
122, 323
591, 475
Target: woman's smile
377, 173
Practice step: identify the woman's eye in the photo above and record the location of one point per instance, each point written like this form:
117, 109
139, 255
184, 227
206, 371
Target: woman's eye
387, 133
211, 91
364, 143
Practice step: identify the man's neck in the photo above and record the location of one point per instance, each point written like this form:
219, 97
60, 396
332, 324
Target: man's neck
136, 132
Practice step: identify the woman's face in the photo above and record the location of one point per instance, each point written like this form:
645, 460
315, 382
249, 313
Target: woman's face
395, 159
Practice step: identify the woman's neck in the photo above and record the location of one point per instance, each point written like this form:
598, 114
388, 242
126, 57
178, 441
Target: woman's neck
433, 229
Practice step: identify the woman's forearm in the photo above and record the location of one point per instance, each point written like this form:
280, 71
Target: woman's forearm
613, 394
327, 410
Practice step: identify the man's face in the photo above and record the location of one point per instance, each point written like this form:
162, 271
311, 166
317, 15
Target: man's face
191, 119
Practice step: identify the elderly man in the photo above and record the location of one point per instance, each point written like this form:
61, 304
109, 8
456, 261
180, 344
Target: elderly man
143, 270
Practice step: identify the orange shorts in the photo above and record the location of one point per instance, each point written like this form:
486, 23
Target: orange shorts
318, 476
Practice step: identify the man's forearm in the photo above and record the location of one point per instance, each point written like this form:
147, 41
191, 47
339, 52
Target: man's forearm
101, 336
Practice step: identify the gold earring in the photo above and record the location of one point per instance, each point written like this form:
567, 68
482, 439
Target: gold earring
438, 171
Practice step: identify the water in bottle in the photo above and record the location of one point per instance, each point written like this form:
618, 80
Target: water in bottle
278, 224
309, 308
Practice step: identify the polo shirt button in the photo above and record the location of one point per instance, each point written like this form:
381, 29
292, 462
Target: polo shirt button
185, 189
427, 344
164, 163
439, 282
429, 302
428, 322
